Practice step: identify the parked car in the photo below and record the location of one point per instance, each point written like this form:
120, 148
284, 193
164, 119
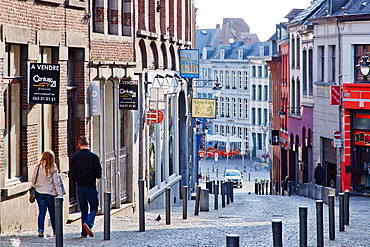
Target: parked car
235, 177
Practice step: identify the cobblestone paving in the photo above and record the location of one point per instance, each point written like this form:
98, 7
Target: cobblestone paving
249, 216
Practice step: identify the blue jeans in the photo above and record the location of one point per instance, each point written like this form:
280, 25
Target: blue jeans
45, 202
87, 197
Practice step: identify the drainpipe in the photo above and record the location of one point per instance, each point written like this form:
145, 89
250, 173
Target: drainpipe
339, 171
103, 180
117, 145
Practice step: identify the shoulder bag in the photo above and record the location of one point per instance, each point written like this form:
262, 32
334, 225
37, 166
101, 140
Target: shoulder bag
32, 190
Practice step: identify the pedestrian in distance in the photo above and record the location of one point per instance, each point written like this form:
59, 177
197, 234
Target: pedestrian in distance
46, 184
319, 174
85, 169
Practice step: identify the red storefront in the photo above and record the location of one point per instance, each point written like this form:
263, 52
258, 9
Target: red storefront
356, 122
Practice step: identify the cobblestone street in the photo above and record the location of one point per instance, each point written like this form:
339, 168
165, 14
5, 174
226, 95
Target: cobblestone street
249, 216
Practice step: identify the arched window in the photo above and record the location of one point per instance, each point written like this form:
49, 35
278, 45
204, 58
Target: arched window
153, 47
173, 58
144, 62
164, 56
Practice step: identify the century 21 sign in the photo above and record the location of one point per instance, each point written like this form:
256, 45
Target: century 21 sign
43, 83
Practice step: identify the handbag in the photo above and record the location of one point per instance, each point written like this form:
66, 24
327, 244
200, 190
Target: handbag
32, 190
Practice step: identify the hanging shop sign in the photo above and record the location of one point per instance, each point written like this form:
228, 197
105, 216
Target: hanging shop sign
203, 108
335, 95
43, 83
128, 95
189, 63
275, 134
362, 138
95, 98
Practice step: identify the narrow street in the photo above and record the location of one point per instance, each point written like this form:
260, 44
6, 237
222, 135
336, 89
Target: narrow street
249, 216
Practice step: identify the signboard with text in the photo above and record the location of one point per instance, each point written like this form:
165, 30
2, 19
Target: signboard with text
189, 63
95, 98
203, 108
43, 83
335, 95
128, 95
362, 138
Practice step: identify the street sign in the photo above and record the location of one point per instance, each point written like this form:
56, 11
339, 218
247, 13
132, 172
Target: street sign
155, 116
337, 134
337, 143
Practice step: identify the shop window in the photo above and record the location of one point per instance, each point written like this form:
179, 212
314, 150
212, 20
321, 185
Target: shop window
12, 131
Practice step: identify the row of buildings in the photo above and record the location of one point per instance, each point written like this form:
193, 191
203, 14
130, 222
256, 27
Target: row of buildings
300, 98
320, 106
87, 67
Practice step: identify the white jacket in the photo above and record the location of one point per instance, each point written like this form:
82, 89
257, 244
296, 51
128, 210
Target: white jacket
45, 184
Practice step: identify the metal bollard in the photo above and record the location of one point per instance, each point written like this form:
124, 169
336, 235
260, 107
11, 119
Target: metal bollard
216, 196
346, 207
341, 212
256, 188
197, 192
282, 188
277, 233
168, 206
204, 200
249, 177
232, 240
231, 192
263, 187
141, 206
227, 186
107, 199
58, 202
289, 188
320, 223
267, 187
223, 192
184, 202
331, 199
212, 191
303, 226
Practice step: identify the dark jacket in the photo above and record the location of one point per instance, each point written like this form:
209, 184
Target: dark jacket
85, 168
319, 173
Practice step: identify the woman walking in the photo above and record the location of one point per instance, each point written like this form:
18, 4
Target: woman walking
46, 180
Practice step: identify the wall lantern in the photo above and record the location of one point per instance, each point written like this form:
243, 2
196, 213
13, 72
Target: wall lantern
364, 65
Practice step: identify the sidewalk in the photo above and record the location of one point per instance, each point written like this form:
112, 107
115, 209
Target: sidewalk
249, 216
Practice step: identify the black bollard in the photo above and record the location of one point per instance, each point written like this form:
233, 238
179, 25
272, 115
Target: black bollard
212, 191
107, 199
197, 198
256, 188
262, 187
168, 206
232, 240
346, 207
282, 188
303, 226
267, 187
341, 212
216, 196
141, 206
277, 233
58, 203
320, 223
209, 185
184, 202
331, 217
227, 186
231, 192
289, 188
223, 192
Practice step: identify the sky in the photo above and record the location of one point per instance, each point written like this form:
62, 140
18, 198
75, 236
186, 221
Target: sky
260, 15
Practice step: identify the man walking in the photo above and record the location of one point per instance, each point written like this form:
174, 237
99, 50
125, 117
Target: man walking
84, 169
319, 174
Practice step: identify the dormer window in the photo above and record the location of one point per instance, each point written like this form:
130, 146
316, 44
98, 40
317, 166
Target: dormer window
204, 53
240, 54
222, 54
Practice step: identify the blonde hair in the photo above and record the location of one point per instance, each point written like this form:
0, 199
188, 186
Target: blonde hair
48, 159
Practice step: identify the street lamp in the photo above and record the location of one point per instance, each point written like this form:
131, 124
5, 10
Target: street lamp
364, 64
291, 110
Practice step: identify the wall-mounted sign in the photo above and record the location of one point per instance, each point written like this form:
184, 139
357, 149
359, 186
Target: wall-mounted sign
189, 63
43, 83
128, 95
275, 137
335, 95
203, 108
95, 98
362, 138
